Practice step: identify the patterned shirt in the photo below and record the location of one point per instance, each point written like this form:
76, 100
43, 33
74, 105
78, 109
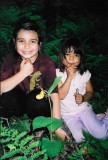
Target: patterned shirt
43, 75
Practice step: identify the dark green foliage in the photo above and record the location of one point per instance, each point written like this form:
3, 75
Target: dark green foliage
51, 123
98, 148
19, 145
16, 143
91, 148
76, 155
53, 147
21, 124
98, 65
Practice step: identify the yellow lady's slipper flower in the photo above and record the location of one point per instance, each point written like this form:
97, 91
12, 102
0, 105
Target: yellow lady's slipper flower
40, 95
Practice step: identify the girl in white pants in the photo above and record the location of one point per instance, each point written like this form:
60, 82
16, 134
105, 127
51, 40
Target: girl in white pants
75, 89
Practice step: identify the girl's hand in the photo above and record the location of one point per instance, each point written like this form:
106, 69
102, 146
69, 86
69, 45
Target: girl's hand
78, 98
71, 69
26, 67
60, 133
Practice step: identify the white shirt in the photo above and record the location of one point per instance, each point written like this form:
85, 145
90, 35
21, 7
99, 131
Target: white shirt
68, 104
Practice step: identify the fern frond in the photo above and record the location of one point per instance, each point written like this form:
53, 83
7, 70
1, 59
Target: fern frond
21, 158
21, 135
31, 146
11, 153
26, 140
15, 133
36, 155
45, 157
8, 139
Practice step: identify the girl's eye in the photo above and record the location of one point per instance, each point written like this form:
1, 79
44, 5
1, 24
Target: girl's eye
67, 54
20, 41
77, 55
33, 41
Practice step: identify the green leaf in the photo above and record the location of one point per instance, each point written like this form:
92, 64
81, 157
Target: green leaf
51, 123
53, 147
41, 121
56, 124
55, 83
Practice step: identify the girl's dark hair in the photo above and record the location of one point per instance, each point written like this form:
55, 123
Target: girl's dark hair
71, 43
29, 25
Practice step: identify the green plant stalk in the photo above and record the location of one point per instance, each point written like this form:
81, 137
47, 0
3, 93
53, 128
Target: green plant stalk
51, 117
55, 83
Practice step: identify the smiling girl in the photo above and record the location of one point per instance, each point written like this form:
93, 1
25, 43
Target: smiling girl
27, 60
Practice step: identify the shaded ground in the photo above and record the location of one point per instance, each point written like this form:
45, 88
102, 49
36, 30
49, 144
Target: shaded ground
94, 149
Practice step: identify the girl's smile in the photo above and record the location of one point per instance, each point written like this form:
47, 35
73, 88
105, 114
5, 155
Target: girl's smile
27, 52
27, 44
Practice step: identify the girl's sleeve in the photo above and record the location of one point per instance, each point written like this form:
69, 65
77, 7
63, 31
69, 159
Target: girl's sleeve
57, 73
7, 68
86, 76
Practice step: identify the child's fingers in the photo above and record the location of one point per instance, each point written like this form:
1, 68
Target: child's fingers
72, 67
78, 98
23, 61
67, 137
28, 60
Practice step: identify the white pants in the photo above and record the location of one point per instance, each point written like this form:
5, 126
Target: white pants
87, 120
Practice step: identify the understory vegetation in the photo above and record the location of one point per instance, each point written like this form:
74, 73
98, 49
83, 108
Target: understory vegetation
19, 142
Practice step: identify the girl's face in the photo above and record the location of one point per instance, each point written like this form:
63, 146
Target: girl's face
73, 59
27, 44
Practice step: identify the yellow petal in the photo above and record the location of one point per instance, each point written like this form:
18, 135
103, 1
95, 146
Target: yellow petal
40, 95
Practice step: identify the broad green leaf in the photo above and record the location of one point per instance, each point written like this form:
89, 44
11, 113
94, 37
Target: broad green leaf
51, 123
56, 124
53, 147
55, 83
41, 121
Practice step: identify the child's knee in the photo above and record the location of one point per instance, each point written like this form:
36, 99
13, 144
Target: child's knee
78, 137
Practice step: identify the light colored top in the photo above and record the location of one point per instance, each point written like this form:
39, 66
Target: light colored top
68, 104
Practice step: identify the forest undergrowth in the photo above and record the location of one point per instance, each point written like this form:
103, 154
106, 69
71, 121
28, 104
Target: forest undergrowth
20, 142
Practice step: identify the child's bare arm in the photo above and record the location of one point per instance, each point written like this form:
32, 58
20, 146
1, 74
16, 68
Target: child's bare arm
87, 96
26, 68
89, 91
64, 87
60, 133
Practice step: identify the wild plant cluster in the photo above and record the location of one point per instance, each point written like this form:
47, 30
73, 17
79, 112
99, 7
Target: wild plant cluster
18, 142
